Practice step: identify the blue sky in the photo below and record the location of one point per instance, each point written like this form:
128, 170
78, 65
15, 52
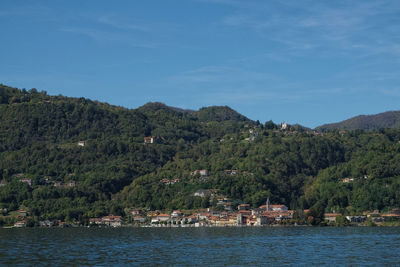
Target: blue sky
307, 62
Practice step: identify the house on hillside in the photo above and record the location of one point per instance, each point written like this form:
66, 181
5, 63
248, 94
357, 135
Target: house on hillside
26, 180
174, 181
356, 219
112, 220
393, 214
279, 215
242, 216
153, 140
82, 143
139, 219
222, 221
165, 181
279, 207
71, 184
203, 216
201, 175
177, 214
96, 221
231, 172
46, 223
258, 220
199, 172
331, 217
57, 184
162, 218
20, 224
190, 219
227, 205
153, 213
201, 193
347, 180
136, 212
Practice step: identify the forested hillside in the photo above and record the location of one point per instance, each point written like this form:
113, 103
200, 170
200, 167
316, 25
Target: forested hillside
86, 159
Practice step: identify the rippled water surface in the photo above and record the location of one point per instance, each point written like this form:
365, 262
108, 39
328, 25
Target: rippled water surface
200, 246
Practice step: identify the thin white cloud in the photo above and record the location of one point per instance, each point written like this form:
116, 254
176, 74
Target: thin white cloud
114, 21
364, 28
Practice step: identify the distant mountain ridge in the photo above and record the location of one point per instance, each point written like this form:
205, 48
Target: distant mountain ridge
389, 119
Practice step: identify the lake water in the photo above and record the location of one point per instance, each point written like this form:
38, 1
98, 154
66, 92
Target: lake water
265, 246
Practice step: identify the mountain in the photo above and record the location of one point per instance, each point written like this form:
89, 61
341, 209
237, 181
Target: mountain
40, 137
86, 159
386, 120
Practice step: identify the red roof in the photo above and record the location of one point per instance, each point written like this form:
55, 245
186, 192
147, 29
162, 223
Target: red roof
277, 206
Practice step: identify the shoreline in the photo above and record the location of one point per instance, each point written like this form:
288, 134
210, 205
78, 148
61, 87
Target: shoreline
204, 226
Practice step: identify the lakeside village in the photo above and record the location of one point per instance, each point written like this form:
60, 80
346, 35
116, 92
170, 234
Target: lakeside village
224, 214
265, 215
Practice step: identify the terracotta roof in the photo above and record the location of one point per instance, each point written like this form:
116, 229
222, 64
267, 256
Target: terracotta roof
390, 215
277, 206
332, 214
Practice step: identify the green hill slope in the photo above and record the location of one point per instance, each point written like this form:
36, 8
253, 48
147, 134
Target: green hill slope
113, 169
